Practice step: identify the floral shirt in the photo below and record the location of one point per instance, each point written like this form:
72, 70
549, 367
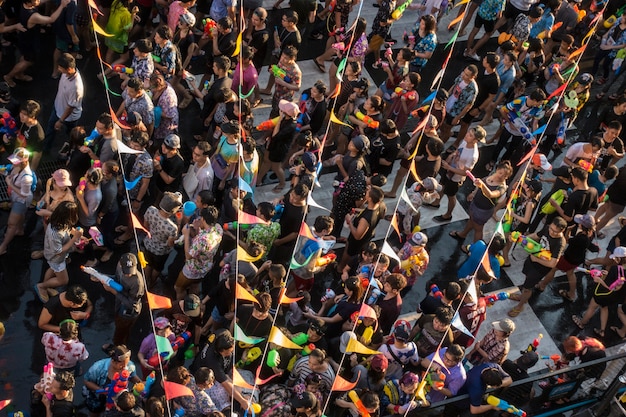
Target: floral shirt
461, 97
168, 102
521, 28
167, 53
526, 113
427, 44
143, 166
283, 93
489, 9
265, 235
198, 405
383, 15
99, 371
143, 68
141, 104
202, 250
161, 229
359, 48
62, 354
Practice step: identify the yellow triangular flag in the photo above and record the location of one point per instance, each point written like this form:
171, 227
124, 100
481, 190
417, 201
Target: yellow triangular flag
334, 119
244, 256
354, 346
278, 338
238, 46
99, 30
419, 393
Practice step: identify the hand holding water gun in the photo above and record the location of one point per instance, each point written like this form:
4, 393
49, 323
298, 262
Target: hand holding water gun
491, 299
250, 356
371, 123
117, 385
557, 361
339, 46
123, 69
413, 262
332, 5
436, 379
8, 125
82, 184
47, 377
5, 169
104, 279
358, 403
519, 124
268, 124
532, 347
436, 292
594, 273
92, 136
408, 95
531, 246
209, 27
586, 165
505, 406
148, 384
617, 283
278, 72
176, 344
325, 260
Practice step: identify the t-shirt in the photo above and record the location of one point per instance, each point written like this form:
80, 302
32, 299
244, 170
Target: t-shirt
397, 357
579, 202
58, 312
161, 229
63, 354
210, 358
487, 84
616, 190
202, 249
429, 338
465, 159
389, 312
474, 386
577, 246
250, 325
33, 136
174, 167
605, 159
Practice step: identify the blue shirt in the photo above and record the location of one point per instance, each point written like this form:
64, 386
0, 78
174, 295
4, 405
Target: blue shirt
455, 378
475, 387
545, 23
506, 77
427, 44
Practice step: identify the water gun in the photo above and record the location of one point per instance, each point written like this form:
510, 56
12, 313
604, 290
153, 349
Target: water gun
300, 339
92, 136
327, 296
8, 125
586, 165
82, 184
331, 6
397, 14
436, 379
371, 123
531, 246
307, 349
180, 412
5, 169
613, 18
359, 404
505, 406
209, 26
272, 358
560, 134
268, 124
409, 95
123, 69
138, 389
278, 72
156, 58
253, 354
618, 282
117, 385
237, 225
176, 344
595, 273
532, 347
491, 299
148, 384
416, 112
469, 175
556, 359
519, 124
367, 335
46, 380
338, 33
105, 279
508, 220
548, 33
325, 260
413, 262
300, 119
340, 46
436, 292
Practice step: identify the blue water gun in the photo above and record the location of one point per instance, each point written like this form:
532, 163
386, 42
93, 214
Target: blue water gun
92, 136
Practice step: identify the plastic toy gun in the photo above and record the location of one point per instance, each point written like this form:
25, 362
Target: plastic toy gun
531, 246
278, 72
505, 406
176, 344
595, 273
436, 379
8, 125
519, 124
148, 384
253, 354
560, 134
338, 33
340, 46
359, 404
586, 165
46, 380
237, 225
436, 292
491, 299
117, 385
307, 349
92, 136
532, 347
367, 335
272, 358
423, 109
413, 262
138, 389
82, 184
397, 14
156, 58
209, 26
331, 6
105, 279
268, 124
5, 169
300, 119
123, 69
325, 260
556, 359
409, 95
618, 282
371, 123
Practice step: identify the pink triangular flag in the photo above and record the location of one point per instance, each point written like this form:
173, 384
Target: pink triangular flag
174, 390
137, 224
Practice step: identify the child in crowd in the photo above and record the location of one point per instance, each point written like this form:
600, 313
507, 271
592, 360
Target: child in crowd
399, 351
495, 346
399, 395
64, 350
413, 259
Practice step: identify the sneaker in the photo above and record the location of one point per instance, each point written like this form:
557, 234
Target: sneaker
474, 56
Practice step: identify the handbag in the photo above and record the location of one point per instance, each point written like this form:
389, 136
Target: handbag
190, 181
558, 196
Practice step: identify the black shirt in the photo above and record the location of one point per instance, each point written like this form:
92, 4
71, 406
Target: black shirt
580, 201
59, 312
487, 84
258, 40
250, 325
221, 366
174, 167
605, 159
616, 190
387, 149
577, 246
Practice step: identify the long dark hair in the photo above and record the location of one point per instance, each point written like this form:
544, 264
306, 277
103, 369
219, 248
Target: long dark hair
64, 216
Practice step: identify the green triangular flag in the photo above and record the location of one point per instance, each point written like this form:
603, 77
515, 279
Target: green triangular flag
164, 347
240, 336
451, 41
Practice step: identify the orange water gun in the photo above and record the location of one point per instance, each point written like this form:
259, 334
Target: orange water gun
268, 124
359, 404
367, 120
209, 26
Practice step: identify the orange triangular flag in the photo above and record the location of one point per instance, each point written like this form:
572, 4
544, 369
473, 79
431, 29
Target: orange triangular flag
278, 338
456, 20
577, 52
242, 294
485, 263
341, 384
137, 224
414, 171
93, 5
238, 380
174, 390
117, 121
305, 231
557, 91
287, 300
354, 346
158, 301
420, 126
528, 155
336, 92
394, 224
246, 218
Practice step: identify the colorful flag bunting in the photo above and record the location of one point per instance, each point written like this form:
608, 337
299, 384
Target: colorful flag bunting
174, 390
278, 338
156, 302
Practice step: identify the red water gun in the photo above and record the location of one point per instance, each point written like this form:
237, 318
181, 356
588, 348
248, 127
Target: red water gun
436, 379
371, 123
325, 260
409, 95
117, 385
209, 26
586, 165
8, 125
176, 344
236, 225
123, 69
491, 299
82, 184
268, 124
436, 292
331, 6
532, 347
359, 404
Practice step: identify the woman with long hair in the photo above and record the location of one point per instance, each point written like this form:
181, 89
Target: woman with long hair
423, 42
89, 196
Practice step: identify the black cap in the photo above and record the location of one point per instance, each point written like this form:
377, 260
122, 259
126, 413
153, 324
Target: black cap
562, 171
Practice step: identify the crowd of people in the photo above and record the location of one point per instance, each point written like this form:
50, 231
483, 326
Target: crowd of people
238, 272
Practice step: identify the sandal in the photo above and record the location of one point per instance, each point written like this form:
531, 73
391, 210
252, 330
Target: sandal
278, 188
516, 296
256, 103
616, 330
321, 67
514, 312
456, 235
120, 241
566, 296
465, 249
578, 322
598, 332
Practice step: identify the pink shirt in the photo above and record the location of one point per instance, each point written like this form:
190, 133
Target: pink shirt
63, 354
250, 77
176, 10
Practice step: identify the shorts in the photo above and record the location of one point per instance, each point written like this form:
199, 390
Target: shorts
468, 118
65, 46
511, 12
564, 265
18, 208
303, 284
183, 282
450, 188
478, 215
448, 119
156, 262
489, 25
533, 272
386, 92
376, 41
216, 316
57, 266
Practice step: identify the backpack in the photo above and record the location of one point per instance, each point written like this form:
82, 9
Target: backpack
33, 186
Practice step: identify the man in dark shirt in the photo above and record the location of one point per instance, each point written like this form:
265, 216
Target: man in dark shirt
580, 200
385, 149
479, 378
433, 329
518, 370
290, 222
221, 65
61, 402
169, 167
488, 84
70, 304
613, 149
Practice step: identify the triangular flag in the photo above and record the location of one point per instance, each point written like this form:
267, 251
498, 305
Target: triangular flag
4, 403
158, 301
430, 97
287, 300
164, 347
461, 2
438, 360
576, 52
99, 30
394, 224
238, 380
420, 393
528, 155
436, 79
455, 21
174, 390
138, 225
471, 288
238, 45
354, 346
311, 202
591, 31
240, 336
340, 68
540, 130
242, 96
117, 121
93, 5
405, 196
295, 265
557, 91
420, 126
499, 228
453, 39
458, 324
242, 294
122, 148
336, 92
259, 381
367, 311
278, 338
388, 250
246, 218
244, 256
334, 119
244, 186
131, 184
305, 231
413, 169
486, 264
341, 384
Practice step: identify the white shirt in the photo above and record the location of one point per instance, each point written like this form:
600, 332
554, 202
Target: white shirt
70, 93
466, 159
205, 175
